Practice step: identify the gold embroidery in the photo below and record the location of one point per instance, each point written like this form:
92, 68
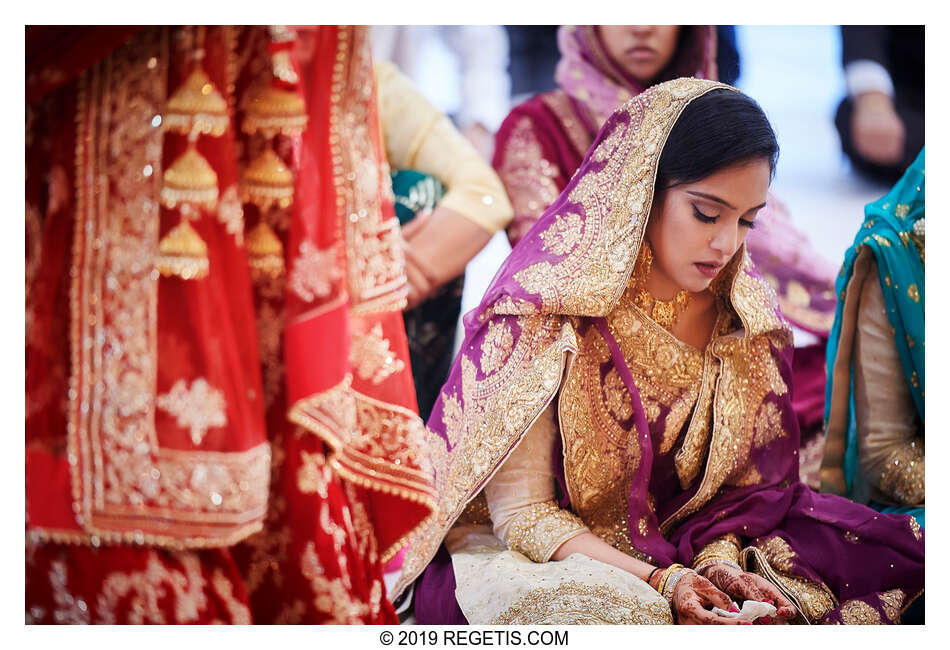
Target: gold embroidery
813, 600
588, 281
529, 178
576, 603
126, 487
314, 271
69, 610
851, 537
778, 553
912, 293
891, 602
231, 214
496, 347
332, 597
563, 234
617, 398
314, 474
901, 210
371, 356
915, 527
148, 586
240, 613
375, 262
560, 102
768, 425
903, 475
858, 612
198, 408
538, 531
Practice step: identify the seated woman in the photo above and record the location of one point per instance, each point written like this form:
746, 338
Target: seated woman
542, 142
620, 409
875, 448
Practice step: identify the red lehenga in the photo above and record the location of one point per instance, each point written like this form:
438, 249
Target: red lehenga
220, 419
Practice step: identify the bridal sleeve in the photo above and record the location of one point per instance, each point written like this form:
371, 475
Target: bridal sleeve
521, 496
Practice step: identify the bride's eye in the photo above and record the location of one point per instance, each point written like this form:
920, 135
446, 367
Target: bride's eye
705, 218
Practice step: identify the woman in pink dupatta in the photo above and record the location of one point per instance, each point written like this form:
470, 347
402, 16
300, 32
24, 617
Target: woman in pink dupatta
542, 142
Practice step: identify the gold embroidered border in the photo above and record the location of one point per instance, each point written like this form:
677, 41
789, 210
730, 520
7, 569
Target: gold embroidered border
574, 603
125, 487
560, 103
498, 411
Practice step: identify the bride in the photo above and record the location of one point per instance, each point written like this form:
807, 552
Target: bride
616, 441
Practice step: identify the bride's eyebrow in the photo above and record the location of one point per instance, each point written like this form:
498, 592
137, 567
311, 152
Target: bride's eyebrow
716, 199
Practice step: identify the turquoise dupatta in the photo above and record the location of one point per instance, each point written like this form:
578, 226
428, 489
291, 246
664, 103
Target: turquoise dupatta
888, 232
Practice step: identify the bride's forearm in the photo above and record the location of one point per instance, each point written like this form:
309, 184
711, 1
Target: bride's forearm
594, 547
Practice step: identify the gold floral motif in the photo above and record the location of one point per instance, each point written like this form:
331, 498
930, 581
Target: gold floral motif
858, 612
147, 587
901, 210
563, 234
902, 478
529, 178
239, 611
617, 398
778, 553
68, 610
231, 214
197, 408
314, 272
768, 425
891, 603
371, 356
915, 527
851, 537
576, 603
332, 597
314, 474
538, 531
496, 347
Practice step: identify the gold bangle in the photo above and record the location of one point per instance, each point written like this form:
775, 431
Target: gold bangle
666, 576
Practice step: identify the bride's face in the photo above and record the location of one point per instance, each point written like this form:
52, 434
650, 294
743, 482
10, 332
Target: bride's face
642, 50
695, 228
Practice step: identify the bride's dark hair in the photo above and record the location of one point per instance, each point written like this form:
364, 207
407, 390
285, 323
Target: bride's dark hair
716, 130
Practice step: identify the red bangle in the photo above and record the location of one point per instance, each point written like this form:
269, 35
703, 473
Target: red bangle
650, 577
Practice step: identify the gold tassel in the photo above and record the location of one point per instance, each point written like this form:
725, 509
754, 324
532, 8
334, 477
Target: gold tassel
264, 251
268, 181
182, 253
271, 110
190, 179
197, 107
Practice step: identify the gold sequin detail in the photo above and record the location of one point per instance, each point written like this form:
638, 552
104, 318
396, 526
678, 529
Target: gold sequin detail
537, 531
891, 602
858, 612
915, 528
902, 478
576, 603
912, 293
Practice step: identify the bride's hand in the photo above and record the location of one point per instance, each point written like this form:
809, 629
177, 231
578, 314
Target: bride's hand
693, 594
741, 585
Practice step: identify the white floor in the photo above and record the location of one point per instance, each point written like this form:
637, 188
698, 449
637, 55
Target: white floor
795, 75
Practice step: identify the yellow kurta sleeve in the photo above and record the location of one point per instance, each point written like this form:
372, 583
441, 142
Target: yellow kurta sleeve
521, 500
890, 447
418, 136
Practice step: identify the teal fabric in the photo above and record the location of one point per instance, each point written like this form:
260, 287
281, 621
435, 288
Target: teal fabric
414, 193
886, 231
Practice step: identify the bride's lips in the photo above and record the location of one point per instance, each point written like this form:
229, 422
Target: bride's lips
641, 52
709, 269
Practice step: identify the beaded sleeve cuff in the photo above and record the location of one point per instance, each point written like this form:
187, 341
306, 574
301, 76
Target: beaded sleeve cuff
540, 529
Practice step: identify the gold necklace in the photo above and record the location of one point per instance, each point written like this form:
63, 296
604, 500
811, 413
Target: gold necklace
664, 312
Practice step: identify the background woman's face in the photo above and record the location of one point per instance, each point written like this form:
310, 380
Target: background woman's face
696, 228
642, 50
